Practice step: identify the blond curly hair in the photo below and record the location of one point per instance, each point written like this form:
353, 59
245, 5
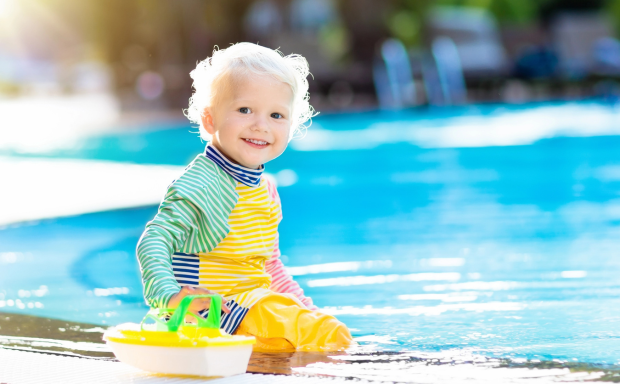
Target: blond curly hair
248, 58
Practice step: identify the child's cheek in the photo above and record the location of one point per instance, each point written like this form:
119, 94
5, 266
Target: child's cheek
283, 145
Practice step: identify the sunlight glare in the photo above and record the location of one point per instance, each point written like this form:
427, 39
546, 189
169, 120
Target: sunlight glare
6, 6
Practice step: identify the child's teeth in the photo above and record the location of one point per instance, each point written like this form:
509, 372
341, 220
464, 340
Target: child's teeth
257, 142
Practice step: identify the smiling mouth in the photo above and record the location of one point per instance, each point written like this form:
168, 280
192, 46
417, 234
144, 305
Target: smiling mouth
257, 143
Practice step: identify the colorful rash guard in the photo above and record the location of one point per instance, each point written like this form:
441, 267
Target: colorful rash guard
217, 228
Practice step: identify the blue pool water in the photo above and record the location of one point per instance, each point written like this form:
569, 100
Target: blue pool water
502, 250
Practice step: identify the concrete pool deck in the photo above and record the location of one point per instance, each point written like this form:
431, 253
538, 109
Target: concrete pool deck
19, 367
95, 182
42, 350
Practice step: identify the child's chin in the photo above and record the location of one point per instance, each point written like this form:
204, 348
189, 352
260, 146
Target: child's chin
252, 163
256, 160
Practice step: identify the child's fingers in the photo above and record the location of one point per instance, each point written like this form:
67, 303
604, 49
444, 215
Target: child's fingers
202, 304
203, 291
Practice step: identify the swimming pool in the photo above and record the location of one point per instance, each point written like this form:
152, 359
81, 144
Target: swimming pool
491, 231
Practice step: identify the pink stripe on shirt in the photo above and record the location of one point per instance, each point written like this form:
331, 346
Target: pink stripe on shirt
282, 281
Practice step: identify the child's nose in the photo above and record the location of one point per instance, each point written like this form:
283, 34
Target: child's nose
260, 124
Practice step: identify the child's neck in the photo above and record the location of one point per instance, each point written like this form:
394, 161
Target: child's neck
244, 175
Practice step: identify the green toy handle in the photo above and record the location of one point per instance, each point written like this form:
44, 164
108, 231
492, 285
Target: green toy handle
177, 319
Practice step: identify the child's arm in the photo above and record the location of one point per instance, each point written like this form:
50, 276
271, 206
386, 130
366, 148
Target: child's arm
282, 281
165, 234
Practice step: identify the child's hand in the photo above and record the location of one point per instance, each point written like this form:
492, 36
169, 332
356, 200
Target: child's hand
199, 304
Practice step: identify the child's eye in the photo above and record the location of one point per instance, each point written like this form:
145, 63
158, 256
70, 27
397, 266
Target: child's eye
244, 110
276, 115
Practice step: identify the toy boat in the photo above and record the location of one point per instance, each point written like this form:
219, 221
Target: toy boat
178, 348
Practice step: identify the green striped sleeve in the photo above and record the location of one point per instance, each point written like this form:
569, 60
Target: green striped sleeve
163, 236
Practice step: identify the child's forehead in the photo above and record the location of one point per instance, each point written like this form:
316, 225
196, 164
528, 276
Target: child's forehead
244, 80
254, 86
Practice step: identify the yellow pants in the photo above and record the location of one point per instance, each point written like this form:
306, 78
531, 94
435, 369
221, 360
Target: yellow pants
280, 323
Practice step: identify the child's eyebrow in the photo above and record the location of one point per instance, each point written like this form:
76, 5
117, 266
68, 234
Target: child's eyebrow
249, 101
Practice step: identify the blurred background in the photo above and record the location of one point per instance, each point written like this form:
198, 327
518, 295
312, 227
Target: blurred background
362, 53
458, 193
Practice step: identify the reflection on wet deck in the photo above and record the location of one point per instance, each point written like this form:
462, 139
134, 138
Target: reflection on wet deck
56, 337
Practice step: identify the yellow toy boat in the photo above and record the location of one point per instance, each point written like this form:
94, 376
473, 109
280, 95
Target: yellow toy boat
176, 347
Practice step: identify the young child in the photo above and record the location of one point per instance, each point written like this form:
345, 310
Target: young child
216, 230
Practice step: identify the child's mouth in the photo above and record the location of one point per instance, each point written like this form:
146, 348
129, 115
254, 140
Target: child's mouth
256, 143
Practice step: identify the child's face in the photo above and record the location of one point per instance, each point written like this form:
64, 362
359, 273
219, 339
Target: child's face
251, 120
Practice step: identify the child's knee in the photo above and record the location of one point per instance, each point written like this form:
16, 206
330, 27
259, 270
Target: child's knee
340, 335
322, 331
279, 323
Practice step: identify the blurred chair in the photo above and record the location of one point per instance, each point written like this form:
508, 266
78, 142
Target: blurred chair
430, 77
606, 53
449, 71
442, 74
475, 35
392, 76
583, 43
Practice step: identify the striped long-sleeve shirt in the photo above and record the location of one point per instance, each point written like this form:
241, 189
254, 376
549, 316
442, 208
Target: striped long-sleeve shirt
216, 228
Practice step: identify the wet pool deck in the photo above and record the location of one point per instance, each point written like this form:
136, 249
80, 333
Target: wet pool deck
19, 367
43, 350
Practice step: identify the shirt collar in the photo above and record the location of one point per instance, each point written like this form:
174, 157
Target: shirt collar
247, 176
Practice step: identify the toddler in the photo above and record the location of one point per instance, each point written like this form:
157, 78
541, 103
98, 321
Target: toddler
216, 230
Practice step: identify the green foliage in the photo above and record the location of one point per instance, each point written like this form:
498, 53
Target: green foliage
508, 11
405, 25
612, 8
407, 16
514, 11
334, 41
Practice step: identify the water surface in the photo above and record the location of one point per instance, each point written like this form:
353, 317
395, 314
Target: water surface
504, 252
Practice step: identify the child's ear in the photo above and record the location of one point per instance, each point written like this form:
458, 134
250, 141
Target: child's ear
207, 122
